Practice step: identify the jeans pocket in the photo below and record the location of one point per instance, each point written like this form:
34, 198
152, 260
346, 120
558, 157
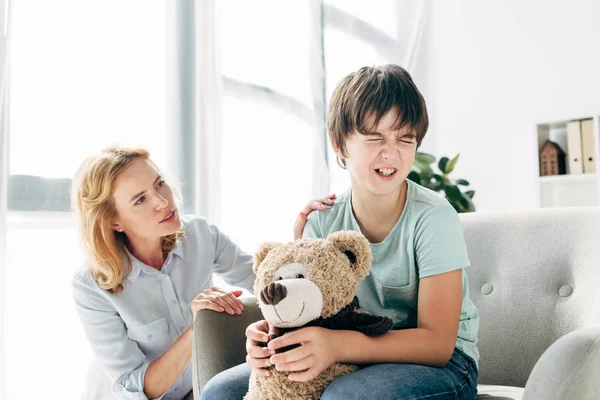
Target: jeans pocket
464, 370
468, 360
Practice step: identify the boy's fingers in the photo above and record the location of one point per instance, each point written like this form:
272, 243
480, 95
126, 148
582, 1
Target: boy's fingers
255, 333
258, 352
261, 371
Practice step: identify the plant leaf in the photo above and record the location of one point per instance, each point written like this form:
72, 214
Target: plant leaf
435, 186
451, 164
442, 164
423, 161
464, 202
424, 158
470, 194
456, 207
462, 182
414, 176
438, 177
453, 192
471, 205
426, 173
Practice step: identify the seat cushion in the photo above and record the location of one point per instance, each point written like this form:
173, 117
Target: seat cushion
491, 392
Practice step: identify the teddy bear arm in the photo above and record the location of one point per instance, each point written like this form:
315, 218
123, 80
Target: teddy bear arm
372, 325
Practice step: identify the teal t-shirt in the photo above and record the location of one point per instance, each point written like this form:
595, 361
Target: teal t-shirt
427, 240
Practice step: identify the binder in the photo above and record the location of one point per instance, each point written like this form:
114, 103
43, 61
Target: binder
588, 146
574, 147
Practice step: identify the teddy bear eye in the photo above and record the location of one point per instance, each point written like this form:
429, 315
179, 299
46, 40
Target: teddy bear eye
299, 276
278, 278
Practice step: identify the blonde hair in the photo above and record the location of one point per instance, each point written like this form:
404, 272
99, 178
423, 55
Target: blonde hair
92, 200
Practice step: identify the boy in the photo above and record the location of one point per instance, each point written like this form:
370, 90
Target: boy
377, 119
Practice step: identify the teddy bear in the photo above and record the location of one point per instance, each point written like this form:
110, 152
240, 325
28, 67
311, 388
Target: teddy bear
311, 282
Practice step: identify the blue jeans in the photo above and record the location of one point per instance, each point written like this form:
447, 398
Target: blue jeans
457, 380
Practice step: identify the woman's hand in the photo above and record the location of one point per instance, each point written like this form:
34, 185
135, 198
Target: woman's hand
318, 204
258, 357
317, 352
218, 300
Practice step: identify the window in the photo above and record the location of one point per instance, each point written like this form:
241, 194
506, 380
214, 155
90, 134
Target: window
280, 63
81, 79
270, 117
85, 75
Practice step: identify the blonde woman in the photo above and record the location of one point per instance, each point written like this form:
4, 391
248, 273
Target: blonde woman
149, 272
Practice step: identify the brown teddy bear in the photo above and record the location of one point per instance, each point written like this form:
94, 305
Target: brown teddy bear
312, 282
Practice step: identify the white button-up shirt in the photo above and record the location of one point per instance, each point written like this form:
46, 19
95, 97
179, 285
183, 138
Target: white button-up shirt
130, 329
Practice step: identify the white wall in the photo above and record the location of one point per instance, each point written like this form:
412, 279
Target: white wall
501, 67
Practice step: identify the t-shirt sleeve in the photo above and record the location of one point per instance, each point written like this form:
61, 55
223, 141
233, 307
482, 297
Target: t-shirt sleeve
440, 243
312, 228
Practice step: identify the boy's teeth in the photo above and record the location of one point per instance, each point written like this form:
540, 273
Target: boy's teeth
385, 171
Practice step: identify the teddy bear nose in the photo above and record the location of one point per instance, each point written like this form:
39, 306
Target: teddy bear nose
273, 293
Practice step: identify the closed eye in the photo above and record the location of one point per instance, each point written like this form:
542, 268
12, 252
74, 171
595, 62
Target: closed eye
410, 138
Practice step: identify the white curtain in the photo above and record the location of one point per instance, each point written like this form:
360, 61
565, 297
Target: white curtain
278, 64
208, 89
262, 88
194, 107
84, 75
4, 54
232, 100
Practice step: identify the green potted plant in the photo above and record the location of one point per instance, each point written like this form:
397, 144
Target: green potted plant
423, 174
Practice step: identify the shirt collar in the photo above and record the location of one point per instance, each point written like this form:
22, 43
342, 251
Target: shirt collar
137, 265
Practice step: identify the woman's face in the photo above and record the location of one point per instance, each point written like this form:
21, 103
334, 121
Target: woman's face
144, 203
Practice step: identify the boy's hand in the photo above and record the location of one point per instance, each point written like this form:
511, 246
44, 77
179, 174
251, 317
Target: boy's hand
257, 356
317, 352
318, 204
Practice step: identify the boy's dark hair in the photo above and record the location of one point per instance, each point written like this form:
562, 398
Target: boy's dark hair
375, 90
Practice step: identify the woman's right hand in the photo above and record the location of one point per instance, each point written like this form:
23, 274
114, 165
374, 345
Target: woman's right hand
218, 300
258, 357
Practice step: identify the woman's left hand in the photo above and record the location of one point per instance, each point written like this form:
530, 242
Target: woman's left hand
317, 352
318, 204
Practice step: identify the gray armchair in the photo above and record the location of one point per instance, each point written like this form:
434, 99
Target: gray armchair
535, 278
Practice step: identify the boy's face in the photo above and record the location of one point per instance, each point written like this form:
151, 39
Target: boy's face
381, 160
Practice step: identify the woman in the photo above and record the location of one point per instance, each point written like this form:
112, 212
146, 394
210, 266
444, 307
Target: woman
149, 272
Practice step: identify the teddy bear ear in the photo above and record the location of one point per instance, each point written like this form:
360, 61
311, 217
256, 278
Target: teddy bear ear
356, 247
262, 252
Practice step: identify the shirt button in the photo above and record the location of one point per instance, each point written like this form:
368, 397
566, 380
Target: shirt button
181, 329
149, 337
173, 302
176, 389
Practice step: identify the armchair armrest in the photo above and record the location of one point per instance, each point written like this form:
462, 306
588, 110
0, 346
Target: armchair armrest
568, 369
219, 341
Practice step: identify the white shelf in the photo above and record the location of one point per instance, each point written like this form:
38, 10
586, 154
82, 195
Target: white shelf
569, 178
568, 190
